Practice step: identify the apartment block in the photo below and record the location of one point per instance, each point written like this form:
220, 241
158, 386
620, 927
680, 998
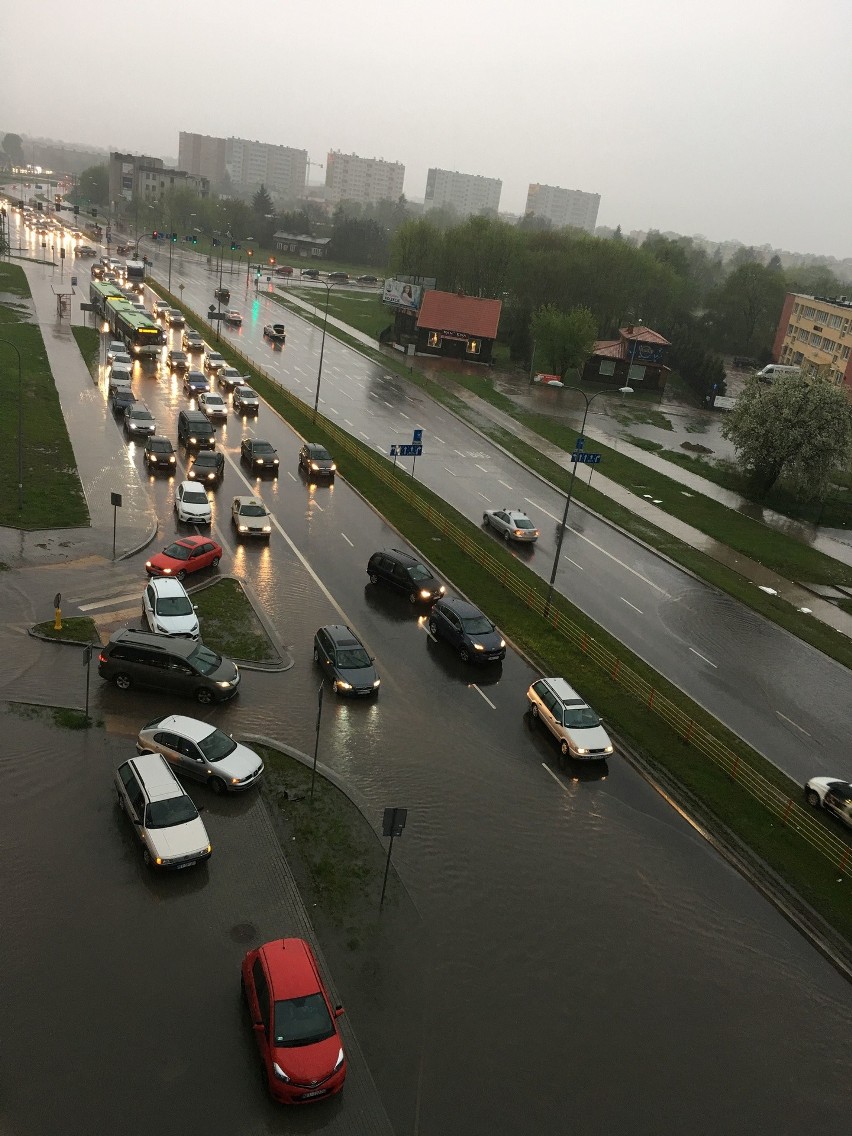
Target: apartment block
244, 164
365, 180
815, 333
140, 176
563, 207
466, 193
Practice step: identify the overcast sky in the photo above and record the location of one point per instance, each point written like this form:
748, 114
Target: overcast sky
730, 119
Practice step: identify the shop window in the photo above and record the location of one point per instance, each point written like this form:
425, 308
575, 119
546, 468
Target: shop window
607, 367
473, 346
434, 339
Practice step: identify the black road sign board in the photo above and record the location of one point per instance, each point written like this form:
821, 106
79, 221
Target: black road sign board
393, 822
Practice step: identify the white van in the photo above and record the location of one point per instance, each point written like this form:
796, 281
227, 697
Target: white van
774, 370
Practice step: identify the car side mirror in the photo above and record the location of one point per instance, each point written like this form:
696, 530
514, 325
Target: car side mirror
195, 607
338, 1010
257, 1026
372, 658
202, 808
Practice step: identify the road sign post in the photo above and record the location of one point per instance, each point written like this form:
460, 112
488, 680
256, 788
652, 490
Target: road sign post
393, 822
87, 663
115, 501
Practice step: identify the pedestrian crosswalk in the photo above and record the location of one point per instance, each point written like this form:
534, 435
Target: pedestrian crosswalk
112, 599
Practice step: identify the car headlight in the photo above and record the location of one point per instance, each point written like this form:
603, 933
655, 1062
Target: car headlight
478, 647
167, 571
147, 563
209, 849
333, 467
502, 642
172, 459
442, 589
275, 461
425, 593
314, 466
339, 1060
242, 528
225, 683
279, 1072
608, 749
259, 461
267, 528
579, 749
341, 685
192, 441
378, 682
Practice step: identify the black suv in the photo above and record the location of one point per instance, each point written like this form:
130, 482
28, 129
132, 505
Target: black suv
208, 467
406, 573
316, 461
345, 660
182, 666
466, 629
159, 453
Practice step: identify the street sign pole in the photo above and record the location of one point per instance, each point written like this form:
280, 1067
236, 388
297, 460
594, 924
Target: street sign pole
87, 663
393, 822
115, 501
316, 743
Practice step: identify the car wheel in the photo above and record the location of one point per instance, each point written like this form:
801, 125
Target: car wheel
119, 800
464, 654
204, 695
433, 628
123, 681
182, 574
412, 597
217, 785
316, 655
564, 748
485, 519
214, 562
534, 709
146, 857
374, 579
506, 537
334, 686
812, 797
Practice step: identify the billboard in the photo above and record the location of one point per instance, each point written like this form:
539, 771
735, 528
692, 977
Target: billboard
399, 294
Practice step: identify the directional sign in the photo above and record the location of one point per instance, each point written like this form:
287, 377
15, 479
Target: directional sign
584, 458
409, 451
580, 444
393, 451
418, 437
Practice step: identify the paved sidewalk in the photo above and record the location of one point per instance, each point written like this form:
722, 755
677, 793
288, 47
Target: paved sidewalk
760, 576
103, 461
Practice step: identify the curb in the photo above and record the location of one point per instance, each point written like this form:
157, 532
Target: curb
271, 634
33, 634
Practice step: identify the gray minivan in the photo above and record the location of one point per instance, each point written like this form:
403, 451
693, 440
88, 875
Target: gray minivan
180, 665
195, 431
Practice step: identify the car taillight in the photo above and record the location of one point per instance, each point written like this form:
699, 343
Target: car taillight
102, 657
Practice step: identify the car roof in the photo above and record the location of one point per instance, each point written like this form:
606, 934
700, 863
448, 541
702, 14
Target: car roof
190, 485
565, 693
460, 607
291, 969
403, 557
341, 635
158, 438
156, 775
168, 585
192, 728
315, 446
242, 388
205, 457
249, 501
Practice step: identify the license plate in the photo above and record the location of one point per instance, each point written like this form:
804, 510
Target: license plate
315, 1093
188, 864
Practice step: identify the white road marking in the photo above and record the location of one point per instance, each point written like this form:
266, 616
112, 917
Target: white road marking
373, 394
437, 439
388, 404
547, 769
484, 498
348, 423
110, 602
706, 660
629, 604
482, 467
505, 484
574, 562
363, 435
348, 541
290, 475
405, 416
778, 712
450, 472
535, 506
333, 411
315, 504
621, 563
487, 699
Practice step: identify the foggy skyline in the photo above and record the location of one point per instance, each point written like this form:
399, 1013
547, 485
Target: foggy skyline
730, 121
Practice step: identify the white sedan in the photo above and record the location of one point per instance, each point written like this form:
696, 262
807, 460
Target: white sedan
246, 401
214, 406
512, 524
192, 504
832, 795
199, 750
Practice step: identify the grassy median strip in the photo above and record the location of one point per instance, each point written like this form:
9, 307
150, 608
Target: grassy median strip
89, 341
77, 628
230, 625
52, 494
805, 870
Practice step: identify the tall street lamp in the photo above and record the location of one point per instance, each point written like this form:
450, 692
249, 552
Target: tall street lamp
328, 288
6, 343
561, 534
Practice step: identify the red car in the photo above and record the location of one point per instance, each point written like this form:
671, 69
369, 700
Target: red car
189, 554
294, 1022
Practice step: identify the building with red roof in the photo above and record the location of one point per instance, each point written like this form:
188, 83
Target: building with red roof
635, 359
455, 326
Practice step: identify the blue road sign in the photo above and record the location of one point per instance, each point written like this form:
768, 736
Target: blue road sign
393, 451
580, 444
584, 458
409, 451
418, 437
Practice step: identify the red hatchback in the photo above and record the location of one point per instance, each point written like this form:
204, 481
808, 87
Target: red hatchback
294, 1022
190, 554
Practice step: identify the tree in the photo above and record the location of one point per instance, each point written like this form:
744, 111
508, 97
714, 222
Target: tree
94, 184
261, 203
13, 146
564, 339
744, 310
798, 430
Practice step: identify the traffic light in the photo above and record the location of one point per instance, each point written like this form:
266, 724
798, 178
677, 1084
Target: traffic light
272, 260
174, 238
233, 246
39, 207
194, 239
249, 253
76, 210
94, 212
215, 241
155, 235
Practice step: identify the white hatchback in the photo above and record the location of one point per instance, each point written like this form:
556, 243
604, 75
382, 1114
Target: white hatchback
167, 608
199, 750
192, 503
162, 813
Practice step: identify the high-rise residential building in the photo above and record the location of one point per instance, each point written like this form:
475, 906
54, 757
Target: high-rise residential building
466, 193
245, 164
815, 333
563, 207
149, 179
365, 180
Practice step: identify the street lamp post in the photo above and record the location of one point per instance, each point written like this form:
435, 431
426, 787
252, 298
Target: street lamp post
6, 343
561, 534
328, 288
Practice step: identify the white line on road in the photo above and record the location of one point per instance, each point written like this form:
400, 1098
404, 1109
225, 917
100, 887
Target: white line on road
333, 411
505, 484
482, 467
348, 423
437, 439
461, 455
363, 435
373, 394
290, 475
547, 769
621, 563
535, 505
348, 541
484, 498
315, 504
479, 692
110, 602
388, 404
629, 604
778, 712
574, 562
450, 472
405, 416
706, 660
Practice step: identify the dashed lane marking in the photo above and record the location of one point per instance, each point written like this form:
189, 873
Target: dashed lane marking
704, 658
485, 696
348, 541
629, 604
801, 729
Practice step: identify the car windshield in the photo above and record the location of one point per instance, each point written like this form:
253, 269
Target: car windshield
174, 605
246, 392
160, 447
302, 1021
263, 448
142, 415
583, 718
319, 454
214, 400
195, 497
204, 660
230, 373
177, 356
353, 658
477, 625
164, 814
205, 461
177, 552
252, 511
419, 572
217, 745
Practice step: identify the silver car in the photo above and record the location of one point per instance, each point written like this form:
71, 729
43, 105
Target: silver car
570, 719
199, 750
163, 815
245, 401
512, 524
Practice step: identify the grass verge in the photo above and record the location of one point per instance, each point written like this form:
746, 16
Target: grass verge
52, 494
231, 625
61, 716
89, 341
79, 628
